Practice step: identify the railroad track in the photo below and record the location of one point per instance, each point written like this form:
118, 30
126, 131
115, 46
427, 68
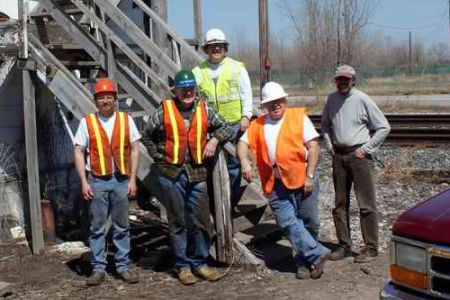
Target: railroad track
413, 128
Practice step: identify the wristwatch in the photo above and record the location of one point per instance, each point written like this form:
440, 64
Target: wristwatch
310, 176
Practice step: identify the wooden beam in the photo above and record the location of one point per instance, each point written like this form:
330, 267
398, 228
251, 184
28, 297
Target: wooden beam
23, 29
5, 288
136, 35
264, 62
222, 208
185, 47
122, 45
34, 193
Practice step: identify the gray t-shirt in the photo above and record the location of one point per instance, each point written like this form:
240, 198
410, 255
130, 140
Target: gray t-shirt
348, 119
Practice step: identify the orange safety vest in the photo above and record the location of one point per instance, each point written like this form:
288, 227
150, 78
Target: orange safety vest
179, 138
290, 156
102, 152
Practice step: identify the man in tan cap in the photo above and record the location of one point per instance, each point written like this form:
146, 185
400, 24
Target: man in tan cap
347, 119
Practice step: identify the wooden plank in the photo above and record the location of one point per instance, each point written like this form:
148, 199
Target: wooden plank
23, 32
5, 288
34, 194
243, 256
122, 46
224, 225
70, 25
185, 47
136, 35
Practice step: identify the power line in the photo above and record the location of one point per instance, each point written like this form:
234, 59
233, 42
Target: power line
409, 28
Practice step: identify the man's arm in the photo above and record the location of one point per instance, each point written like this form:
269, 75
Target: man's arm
377, 122
327, 128
134, 156
153, 123
80, 163
243, 155
245, 92
219, 130
313, 157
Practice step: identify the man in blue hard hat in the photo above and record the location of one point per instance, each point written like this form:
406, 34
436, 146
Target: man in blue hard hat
181, 136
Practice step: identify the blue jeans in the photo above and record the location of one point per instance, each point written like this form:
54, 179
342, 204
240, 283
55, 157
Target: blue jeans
234, 169
287, 206
110, 197
187, 206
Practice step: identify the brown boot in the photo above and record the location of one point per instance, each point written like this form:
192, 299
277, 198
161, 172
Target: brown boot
340, 253
129, 277
208, 273
303, 273
186, 277
318, 268
366, 256
96, 278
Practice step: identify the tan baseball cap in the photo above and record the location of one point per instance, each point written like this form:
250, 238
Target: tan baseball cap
345, 71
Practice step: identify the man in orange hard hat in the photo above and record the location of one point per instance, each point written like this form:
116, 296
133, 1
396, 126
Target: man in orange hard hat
284, 145
108, 177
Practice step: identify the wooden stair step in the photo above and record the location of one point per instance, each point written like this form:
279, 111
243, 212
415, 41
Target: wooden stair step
5, 288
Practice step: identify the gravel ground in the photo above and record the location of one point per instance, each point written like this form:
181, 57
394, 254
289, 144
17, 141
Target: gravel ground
406, 176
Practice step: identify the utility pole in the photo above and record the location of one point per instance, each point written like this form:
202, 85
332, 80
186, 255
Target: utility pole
410, 53
198, 22
264, 60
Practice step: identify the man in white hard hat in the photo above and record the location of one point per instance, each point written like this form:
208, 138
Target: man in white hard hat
285, 149
225, 83
347, 119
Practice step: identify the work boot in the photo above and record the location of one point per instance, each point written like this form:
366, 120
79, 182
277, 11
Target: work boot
318, 268
303, 273
129, 277
208, 273
341, 253
96, 278
186, 277
366, 255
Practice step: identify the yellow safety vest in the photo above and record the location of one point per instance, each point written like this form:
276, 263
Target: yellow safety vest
223, 96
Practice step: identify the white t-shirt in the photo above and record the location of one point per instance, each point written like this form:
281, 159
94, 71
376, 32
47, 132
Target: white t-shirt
271, 130
82, 135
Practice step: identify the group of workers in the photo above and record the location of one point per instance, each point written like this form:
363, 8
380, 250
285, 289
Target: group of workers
213, 105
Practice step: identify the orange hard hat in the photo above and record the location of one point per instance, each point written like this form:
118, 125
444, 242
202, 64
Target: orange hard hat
104, 85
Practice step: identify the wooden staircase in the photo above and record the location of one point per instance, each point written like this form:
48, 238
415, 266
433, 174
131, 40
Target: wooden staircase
144, 68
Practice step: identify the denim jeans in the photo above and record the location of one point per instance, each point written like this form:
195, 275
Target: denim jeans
187, 206
110, 197
349, 170
234, 168
290, 207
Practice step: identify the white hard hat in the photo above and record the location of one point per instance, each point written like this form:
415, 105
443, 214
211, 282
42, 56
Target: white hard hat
272, 91
215, 36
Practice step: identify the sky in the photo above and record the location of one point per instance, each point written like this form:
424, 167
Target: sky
427, 19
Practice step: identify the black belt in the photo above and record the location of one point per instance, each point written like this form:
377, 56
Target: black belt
346, 150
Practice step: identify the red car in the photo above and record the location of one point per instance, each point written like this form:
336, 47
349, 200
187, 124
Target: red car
420, 252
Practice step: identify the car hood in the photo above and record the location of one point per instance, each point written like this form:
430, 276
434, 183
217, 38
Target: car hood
428, 221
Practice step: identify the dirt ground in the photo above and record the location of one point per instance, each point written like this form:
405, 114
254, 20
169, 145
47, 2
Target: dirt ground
57, 276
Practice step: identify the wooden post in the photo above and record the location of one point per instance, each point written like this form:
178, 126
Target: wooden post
224, 225
198, 22
264, 61
29, 113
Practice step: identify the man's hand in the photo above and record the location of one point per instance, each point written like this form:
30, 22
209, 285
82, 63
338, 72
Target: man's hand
309, 185
244, 124
210, 148
246, 169
86, 191
359, 153
132, 189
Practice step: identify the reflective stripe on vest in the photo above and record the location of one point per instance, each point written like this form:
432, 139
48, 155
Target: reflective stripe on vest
102, 152
224, 95
290, 156
179, 138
